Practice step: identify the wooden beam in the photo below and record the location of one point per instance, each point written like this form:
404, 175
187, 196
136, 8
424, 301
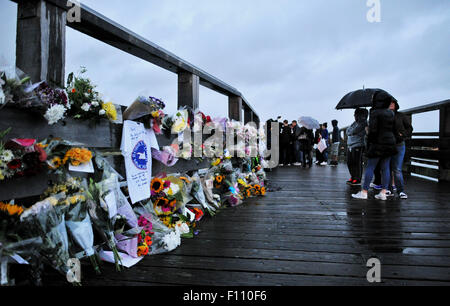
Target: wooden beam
188, 90
41, 41
444, 146
248, 115
235, 108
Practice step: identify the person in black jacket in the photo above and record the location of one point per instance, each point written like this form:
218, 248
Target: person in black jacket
306, 143
285, 139
381, 145
403, 130
296, 143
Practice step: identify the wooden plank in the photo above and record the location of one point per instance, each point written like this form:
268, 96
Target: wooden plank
426, 108
26, 124
435, 173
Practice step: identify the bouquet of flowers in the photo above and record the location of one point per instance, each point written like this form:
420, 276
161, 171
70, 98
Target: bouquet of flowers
13, 87
46, 219
85, 101
21, 157
147, 110
162, 239
77, 219
11, 243
54, 102
102, 197
168, 194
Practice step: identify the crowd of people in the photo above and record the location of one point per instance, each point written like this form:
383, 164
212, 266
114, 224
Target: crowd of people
297, 145
377, 136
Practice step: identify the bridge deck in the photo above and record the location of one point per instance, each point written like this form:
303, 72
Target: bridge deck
308, 231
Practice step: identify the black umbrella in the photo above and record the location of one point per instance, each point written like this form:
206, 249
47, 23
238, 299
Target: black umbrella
361, 98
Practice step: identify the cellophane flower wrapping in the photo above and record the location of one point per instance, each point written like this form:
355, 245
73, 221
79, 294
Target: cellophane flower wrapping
102, 204
46, 218
198, 193
180, 121
128, 242
158, 228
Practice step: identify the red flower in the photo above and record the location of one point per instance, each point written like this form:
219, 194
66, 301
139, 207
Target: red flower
208, 119
42, 153
15, 164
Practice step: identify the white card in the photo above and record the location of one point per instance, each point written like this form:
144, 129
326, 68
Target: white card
86, 167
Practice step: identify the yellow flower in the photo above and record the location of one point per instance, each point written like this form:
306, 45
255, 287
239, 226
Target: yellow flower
110, 110
216, 162
11, 209
155, 114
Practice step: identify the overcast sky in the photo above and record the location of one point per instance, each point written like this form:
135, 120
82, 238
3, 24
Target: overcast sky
288, 57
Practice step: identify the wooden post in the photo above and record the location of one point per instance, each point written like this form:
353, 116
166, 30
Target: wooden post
235, 108
444, 144
188, 90
248, 115
41, 41
407, 159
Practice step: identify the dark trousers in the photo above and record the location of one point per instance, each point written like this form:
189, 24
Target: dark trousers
284, 153
307, 155
355, 163
377, 174
319, 156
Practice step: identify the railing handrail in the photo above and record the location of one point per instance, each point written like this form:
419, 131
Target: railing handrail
110, 32
425, 108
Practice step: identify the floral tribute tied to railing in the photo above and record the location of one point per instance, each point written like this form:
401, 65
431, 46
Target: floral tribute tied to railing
90, 211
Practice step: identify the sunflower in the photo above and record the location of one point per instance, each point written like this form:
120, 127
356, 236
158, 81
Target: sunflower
263, 191
219, 178
157, 185
184, 179
248, 193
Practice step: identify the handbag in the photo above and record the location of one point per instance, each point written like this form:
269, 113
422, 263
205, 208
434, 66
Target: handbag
322, 146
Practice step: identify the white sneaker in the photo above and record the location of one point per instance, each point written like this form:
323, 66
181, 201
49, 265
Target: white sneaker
389, 193
403, 196
381, 196
360, 195
281, 165
297, 164
324, 164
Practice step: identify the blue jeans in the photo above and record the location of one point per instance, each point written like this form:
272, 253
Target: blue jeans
396, 167
385, 171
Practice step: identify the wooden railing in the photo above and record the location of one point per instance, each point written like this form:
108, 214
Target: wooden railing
40, 53
427, 154
432, 153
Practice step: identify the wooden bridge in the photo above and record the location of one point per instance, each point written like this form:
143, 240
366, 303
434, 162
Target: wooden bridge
307, 231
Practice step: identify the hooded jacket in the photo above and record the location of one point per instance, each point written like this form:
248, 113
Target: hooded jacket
357, 131
403, 127
381, 137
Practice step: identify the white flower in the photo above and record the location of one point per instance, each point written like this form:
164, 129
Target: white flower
172, 240
184, 228
95, 104
7, 156
2, 96
175, 188
55, 113
101, 112
86, 107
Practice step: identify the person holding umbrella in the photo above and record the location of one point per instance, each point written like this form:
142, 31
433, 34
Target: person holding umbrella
381, 144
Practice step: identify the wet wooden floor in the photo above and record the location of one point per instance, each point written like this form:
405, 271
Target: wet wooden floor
307, 231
